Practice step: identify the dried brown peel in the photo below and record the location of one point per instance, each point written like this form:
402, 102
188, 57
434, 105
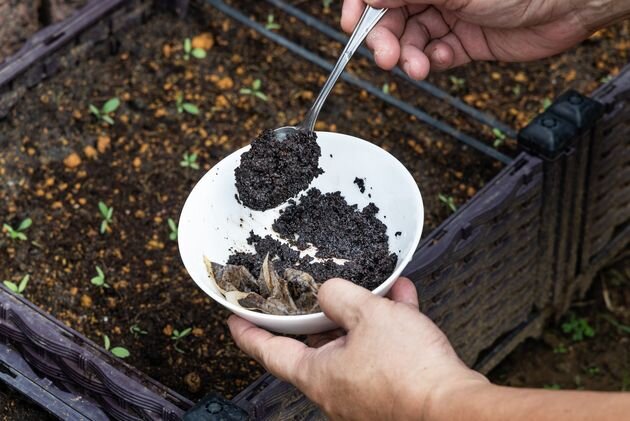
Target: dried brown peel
295, 293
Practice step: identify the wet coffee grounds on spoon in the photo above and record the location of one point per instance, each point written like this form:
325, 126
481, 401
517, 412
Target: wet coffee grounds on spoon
273, 171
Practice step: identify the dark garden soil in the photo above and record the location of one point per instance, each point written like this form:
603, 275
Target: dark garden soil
560, 361
15, 407
57, 162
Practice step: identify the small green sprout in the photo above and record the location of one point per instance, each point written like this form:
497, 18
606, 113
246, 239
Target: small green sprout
385, 88
326, 5
107, 214
607, 79
20, 287
553, 386
109, 107
516, 90
173, 228
189, 161
578, 328
458, 82
118, 351
449, 201
254, 90
99, 279
18, 233
546, 103
137, 330
271, 23
177, 336
560, 349
198, 53
499, 137
185, 106
593, 371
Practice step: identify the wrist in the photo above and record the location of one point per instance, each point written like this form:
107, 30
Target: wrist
447, 399
598, 14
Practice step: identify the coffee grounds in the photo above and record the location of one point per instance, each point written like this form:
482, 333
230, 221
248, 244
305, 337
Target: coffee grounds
337, 230
273, 171
360, 182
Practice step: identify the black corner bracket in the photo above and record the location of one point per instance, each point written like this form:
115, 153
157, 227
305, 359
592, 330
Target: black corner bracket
215, 408
552, 132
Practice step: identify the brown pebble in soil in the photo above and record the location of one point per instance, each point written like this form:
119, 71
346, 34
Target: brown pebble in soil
72, 161
273, 171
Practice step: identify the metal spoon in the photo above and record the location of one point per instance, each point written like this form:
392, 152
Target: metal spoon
369, 19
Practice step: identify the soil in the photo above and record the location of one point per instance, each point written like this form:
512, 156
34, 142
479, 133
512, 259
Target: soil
15, 407
337, 230
57, 162
274, 170
560, 361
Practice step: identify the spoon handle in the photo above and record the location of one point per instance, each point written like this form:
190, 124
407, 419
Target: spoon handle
370, 18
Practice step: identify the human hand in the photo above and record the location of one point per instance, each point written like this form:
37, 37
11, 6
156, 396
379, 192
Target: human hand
393, 363
424, 35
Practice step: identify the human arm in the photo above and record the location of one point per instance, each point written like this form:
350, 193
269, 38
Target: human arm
394, 363
424, 35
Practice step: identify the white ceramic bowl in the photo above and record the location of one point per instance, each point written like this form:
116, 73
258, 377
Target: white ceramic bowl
213, 223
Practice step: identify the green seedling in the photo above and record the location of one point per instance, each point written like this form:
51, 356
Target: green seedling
326, 5
578, 328
189, 161
19, 287
546, 103
104, 113
449, 201
137, 330
271, 23
553, 386
593, 371
178, 336
188, 107
516, 90
99, 279
255, 90
198, 53
173, 228
457, 82
560, 349
118, 351
607, 79
386, 89
18, 233
107, 215
499, 137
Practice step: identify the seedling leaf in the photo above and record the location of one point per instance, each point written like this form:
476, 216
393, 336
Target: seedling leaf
23, 283
199, 53
106, 342
12, 286
25, 224
187, 45
190, 108
257, 84
185, 332
111, 105
95, 110
262, 96
107, 119
102, 207
120, 352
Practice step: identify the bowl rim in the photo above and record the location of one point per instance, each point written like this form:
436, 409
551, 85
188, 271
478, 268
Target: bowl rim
313, 316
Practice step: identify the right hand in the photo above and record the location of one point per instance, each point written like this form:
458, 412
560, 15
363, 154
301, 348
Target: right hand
424, 35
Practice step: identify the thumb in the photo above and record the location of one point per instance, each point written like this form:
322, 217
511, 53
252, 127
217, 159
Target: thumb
344, 302
404, 291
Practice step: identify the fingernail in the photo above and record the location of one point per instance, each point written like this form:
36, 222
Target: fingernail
407, 67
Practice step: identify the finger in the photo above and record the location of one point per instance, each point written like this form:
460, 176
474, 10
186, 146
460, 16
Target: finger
279, 355
350, 14
344, 302
316, 341
384, 39
404, 291
446, 53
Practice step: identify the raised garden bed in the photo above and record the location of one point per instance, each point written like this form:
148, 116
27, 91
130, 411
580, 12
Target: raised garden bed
59, 162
